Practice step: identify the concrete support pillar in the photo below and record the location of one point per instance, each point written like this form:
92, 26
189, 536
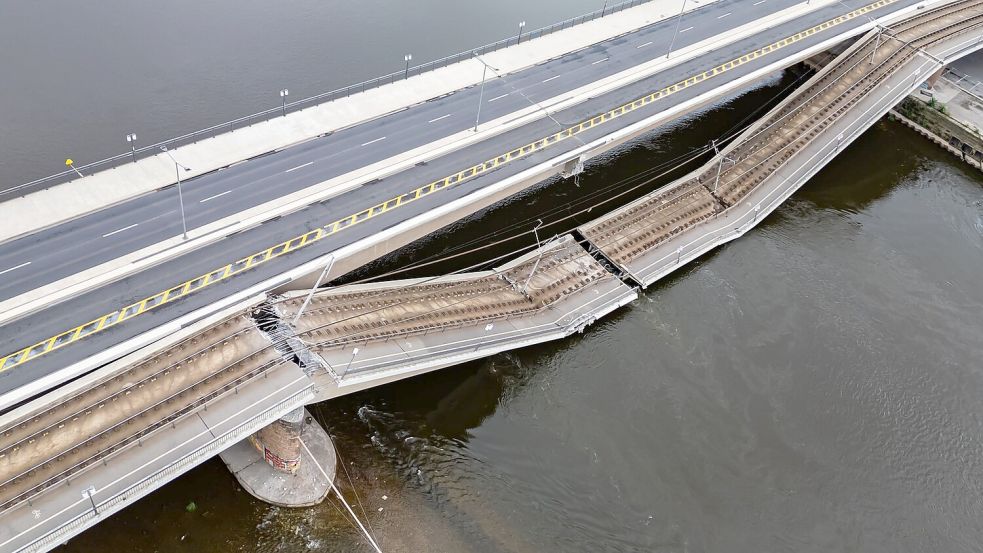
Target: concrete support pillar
279, 443
935, 77
290, 463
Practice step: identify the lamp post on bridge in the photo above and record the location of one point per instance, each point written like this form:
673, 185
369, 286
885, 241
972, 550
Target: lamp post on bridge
481, 91
131, 139
518, 37
679, 19
71, 165
180, 194
407, 59
720, 165
354, 353
283, 100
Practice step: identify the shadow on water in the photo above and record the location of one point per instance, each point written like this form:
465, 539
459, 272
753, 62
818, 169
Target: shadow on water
430, 462
557, 198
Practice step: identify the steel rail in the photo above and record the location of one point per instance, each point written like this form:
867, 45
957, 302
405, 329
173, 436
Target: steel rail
5, 449
230, 270
298, 105
115, 447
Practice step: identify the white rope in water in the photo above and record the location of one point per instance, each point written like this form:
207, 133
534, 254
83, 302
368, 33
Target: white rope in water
342, 498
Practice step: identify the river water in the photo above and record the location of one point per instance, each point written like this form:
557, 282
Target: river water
814, 386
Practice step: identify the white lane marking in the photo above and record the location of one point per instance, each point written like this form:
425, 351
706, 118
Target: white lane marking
758, 2
120, 230
373, 141
686, 29
644, 45
725, 15
551, 78
599, 61
439, 118
220, 195
498, 97
14, 268
299, 167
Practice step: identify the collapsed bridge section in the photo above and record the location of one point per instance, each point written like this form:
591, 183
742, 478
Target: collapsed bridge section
115, 435
367, 332
658, 233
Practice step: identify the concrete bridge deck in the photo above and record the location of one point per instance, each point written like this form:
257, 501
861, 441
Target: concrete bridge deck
409, 327
376, 218
372, 333
136, 424
719, 202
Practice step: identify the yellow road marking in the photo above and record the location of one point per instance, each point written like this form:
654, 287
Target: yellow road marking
224, 273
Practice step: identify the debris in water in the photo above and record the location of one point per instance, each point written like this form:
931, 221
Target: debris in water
191, 507
385, 497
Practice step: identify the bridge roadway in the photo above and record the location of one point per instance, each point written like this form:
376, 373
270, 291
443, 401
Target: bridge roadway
82, 243
773, 158
262, 172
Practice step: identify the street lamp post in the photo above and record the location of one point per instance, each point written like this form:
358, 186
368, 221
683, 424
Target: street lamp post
518, 38
354, 353
180, 193
131, 139
88, 493
481, 91
71, 165
407, 59
283, 100
679, 19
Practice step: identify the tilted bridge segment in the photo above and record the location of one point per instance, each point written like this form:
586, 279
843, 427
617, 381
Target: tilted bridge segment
719, 202
151, 297
227, 377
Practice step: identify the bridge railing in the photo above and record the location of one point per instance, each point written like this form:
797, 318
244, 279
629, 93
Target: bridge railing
279, 111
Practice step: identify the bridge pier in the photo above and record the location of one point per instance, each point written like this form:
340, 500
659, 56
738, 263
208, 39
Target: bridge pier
289, 463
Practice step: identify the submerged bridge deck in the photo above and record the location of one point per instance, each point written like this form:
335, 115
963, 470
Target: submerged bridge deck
132, 426
432, 322
720, 201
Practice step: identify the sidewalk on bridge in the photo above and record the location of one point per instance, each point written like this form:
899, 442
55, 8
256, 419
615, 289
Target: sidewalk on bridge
148, 257
78, 197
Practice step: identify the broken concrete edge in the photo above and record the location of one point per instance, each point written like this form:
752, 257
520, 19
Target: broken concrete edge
330, 385
114, 368
150, 256
802, 174
536, 173
754, 127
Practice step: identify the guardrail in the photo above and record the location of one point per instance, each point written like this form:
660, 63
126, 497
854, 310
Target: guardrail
280, 111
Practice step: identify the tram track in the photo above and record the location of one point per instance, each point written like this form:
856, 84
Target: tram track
628, 233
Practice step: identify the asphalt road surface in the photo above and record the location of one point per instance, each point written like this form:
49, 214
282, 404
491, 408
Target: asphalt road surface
64, 251
105, 235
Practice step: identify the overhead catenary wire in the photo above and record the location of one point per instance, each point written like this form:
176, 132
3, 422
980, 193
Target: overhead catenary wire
746, 172
685, 158
758, 164
767, 127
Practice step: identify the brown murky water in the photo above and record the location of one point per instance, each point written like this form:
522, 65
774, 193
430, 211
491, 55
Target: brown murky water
813, 386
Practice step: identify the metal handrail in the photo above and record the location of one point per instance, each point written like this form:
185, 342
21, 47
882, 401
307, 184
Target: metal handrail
279, 111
